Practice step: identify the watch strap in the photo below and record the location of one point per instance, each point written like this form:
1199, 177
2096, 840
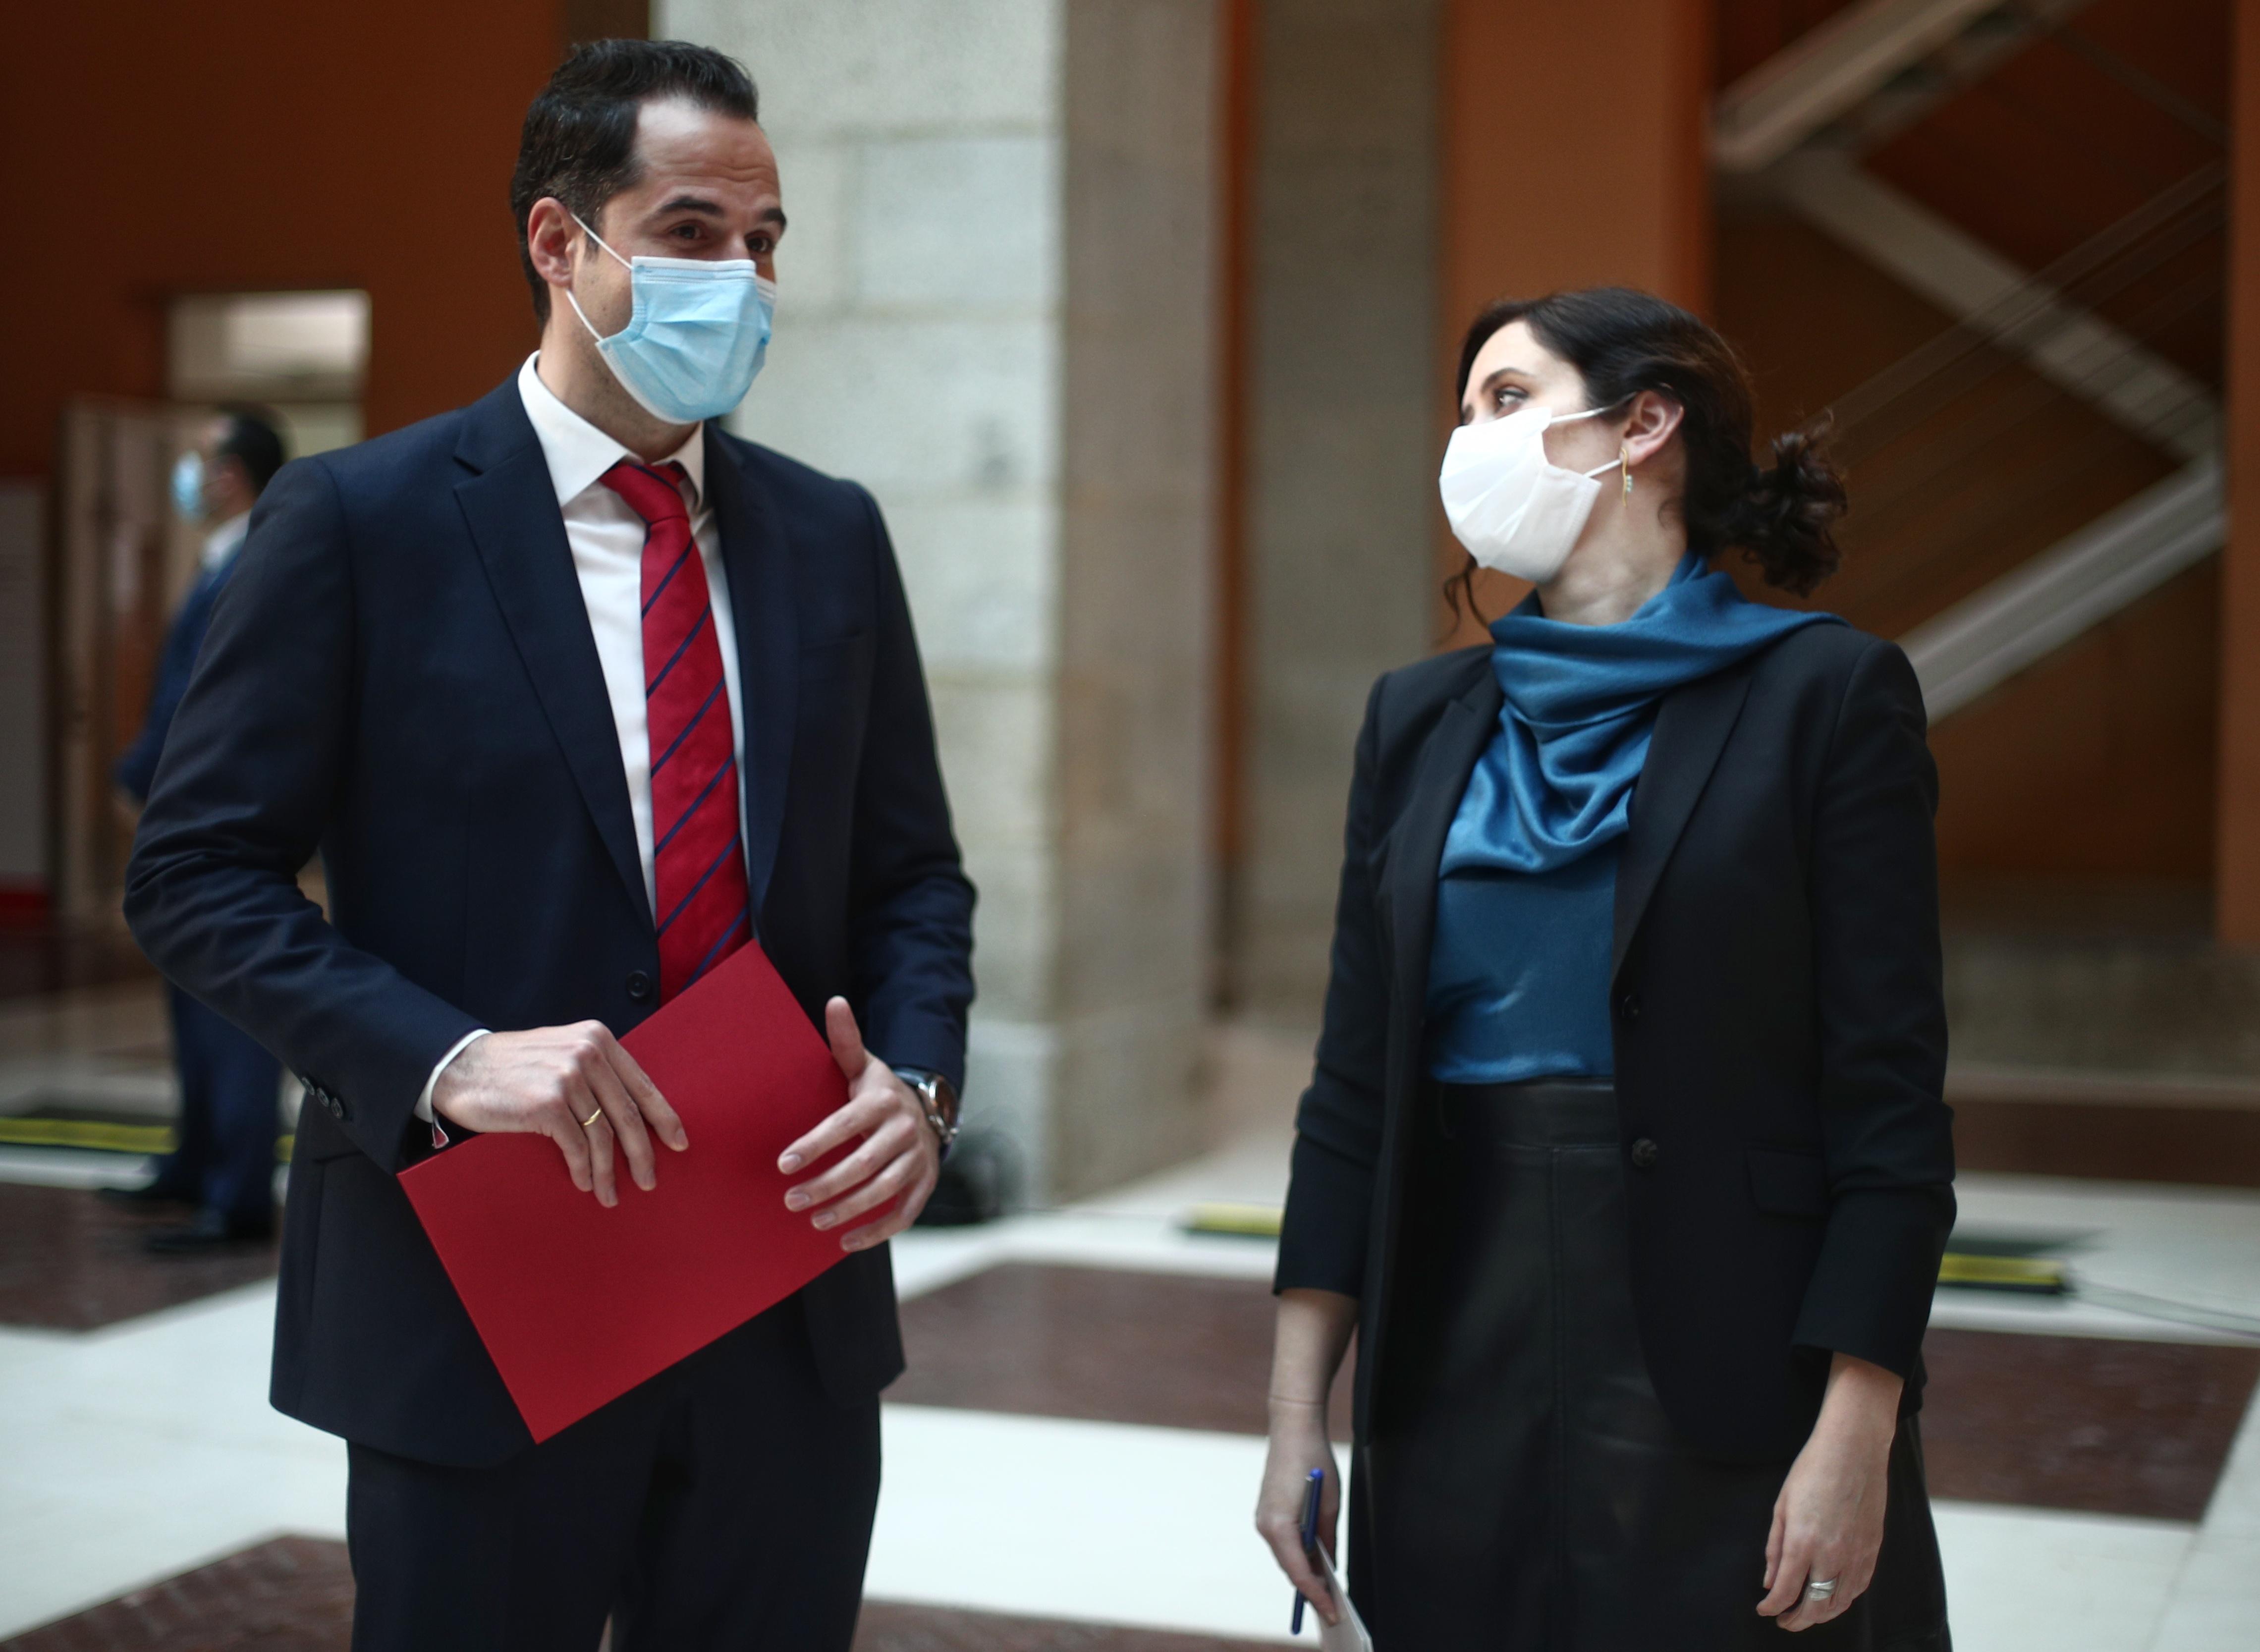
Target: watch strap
937, 1097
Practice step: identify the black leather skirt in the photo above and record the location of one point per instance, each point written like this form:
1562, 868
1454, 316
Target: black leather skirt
1524, 1492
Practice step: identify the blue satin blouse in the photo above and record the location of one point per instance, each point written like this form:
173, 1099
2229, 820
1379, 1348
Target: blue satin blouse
1526, 895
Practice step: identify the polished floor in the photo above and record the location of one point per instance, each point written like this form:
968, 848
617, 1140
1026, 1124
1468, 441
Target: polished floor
296, 1594
1083, 1411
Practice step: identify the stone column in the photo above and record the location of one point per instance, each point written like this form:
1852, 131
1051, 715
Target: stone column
1343, 411
2236, 877
994, 313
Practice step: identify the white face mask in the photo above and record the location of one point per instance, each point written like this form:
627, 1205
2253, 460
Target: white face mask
1514, 508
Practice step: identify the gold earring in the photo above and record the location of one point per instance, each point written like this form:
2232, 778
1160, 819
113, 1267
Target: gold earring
1624, 458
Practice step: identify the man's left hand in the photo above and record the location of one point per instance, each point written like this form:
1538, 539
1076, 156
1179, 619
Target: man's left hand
895, 1167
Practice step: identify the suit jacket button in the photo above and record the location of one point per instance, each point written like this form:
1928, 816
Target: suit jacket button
1643, 1154
1628, 1006
638, 985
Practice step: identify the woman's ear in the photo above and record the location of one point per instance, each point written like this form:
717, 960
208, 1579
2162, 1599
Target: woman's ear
1652, 421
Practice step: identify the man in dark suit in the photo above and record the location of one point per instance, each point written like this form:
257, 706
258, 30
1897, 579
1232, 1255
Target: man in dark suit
222, 1163
575, 693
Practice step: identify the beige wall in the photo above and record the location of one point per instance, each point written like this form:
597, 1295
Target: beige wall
1135, 633
1341, 396
994, 309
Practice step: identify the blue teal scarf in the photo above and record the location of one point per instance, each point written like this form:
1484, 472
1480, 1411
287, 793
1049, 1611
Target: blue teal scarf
1555, 781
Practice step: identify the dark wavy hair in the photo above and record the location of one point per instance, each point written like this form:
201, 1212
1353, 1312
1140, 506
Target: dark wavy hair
1623, 342
578, 142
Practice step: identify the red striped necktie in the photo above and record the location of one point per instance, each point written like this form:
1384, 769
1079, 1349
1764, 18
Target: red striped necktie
698, 862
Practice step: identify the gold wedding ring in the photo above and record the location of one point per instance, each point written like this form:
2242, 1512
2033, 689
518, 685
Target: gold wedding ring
592, 1118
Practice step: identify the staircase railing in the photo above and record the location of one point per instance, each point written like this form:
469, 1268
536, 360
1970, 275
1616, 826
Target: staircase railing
2025, 616
1947, 469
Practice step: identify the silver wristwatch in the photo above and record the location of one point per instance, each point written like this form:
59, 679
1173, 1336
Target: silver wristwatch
937, 1098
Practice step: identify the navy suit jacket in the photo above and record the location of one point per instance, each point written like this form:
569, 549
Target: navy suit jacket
402, 674
136, 767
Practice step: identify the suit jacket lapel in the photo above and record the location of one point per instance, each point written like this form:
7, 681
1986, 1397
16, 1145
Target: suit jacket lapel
511, 508
757, 561
1452, 750
1691, 727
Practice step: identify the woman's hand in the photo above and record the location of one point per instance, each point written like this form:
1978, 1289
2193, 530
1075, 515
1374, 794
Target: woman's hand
1314, 1327
1829, 1520
1299, 1445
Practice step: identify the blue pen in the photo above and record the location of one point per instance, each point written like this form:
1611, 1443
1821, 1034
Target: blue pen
1311, 1496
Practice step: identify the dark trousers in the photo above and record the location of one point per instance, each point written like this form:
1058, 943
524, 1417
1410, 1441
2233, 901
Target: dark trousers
224, 1158
726, 1503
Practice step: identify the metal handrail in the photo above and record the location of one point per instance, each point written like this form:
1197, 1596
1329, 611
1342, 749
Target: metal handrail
2175, 220
1960, 379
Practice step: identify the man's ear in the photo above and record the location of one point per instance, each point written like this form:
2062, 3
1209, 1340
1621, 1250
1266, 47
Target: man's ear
1653, 420
550, 232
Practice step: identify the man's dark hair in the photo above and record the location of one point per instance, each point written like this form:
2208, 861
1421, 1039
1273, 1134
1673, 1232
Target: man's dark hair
254, 441
578, 143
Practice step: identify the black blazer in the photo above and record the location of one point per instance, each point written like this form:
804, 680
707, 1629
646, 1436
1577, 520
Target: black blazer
1779, 1029
402, 674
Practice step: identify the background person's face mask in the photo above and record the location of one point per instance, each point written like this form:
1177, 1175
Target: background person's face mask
188, 487
696, 335
1514, 508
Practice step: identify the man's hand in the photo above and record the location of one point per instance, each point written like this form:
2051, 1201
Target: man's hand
547, 1082
899, 1158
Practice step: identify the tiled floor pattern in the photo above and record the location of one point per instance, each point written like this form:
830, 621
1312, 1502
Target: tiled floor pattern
289, 1594
144, 1450
70, 1262
296, 1594
2086, 1423
2108, 1425
1166, 1350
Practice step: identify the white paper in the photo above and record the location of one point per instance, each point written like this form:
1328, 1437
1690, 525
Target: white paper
1349, 1634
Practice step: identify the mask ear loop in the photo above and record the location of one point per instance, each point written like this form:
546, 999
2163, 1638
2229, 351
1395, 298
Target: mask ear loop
616, 258
1624, 448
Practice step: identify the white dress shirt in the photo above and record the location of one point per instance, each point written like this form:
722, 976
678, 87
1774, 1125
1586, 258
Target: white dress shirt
225, 542
606, 537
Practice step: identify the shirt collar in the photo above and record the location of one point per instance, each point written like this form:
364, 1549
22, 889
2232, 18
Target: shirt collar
224, 541
578, 453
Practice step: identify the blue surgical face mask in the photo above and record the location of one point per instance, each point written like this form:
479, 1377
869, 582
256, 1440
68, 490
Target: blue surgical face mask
188, 487
697, 335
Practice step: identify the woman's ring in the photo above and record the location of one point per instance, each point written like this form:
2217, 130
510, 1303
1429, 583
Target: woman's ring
599, 1113
1820, 1588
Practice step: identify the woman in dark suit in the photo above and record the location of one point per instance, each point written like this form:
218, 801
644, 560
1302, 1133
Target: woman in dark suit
1624, 1156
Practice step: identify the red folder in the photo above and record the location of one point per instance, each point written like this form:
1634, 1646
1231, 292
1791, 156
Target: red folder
577, 1304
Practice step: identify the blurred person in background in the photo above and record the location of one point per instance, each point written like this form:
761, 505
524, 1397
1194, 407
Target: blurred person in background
223, 1164
577, 693
1625, 1157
